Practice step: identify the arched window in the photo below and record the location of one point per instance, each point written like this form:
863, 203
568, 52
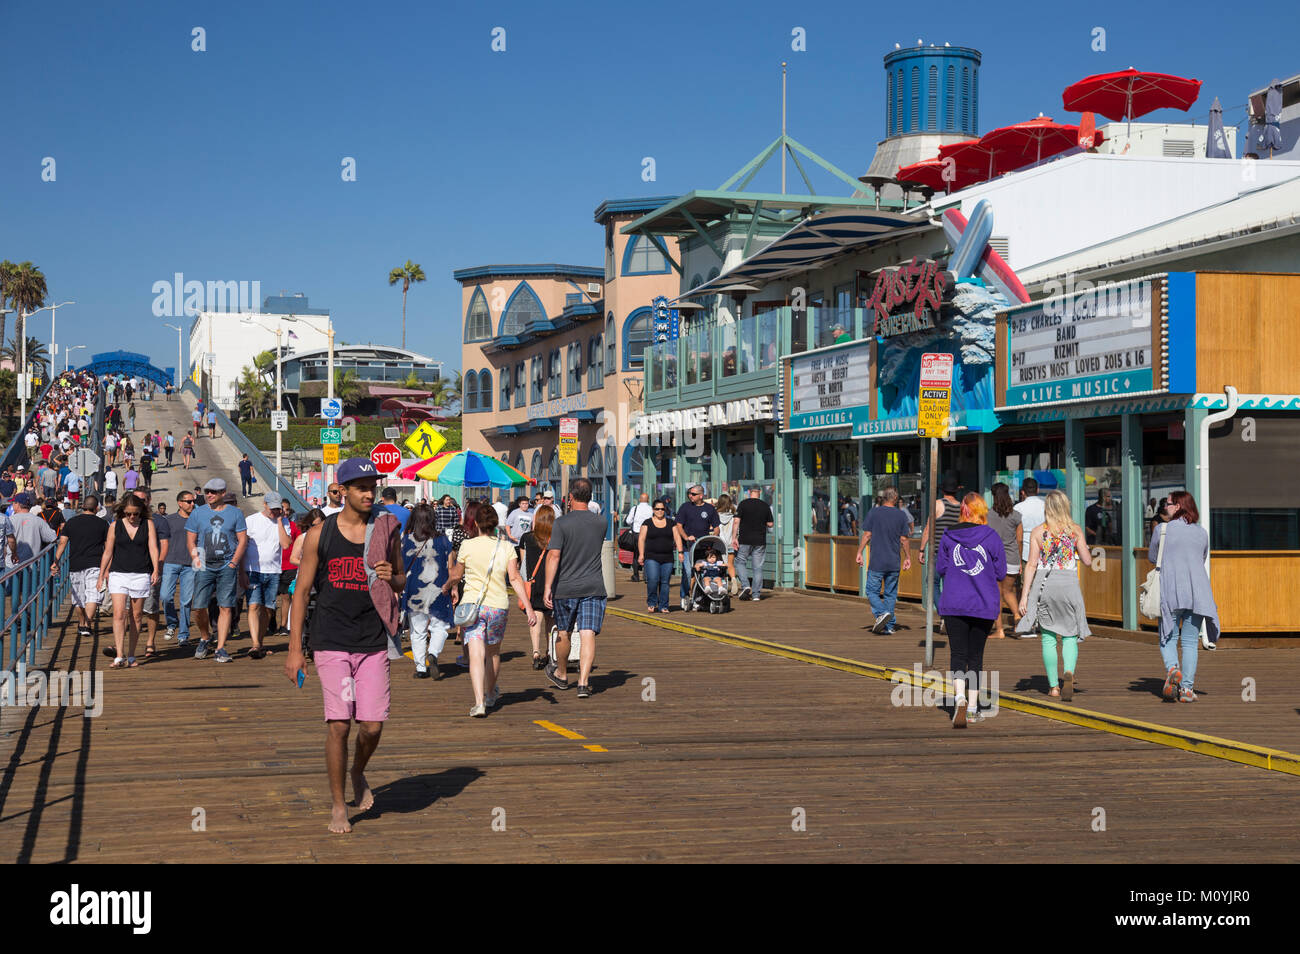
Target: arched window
713, 273
519, 463
596, 362
553, 467
632, 472
596, 462
611, 365
470, 387
889, 104
916, 99
574, 374
950, 99
553, 374
538, 375
523, 307
696, 280
521, 386
505, 389
535, 471
642, 257
636, 336
932, 100
485, 390
478, 320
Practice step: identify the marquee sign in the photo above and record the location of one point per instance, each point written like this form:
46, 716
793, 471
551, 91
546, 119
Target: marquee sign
1095, 343
828, 381
743, 411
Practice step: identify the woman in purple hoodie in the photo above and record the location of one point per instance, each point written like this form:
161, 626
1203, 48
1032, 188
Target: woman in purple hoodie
972, 561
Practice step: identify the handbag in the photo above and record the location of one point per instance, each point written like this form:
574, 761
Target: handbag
466, 614
1149, 595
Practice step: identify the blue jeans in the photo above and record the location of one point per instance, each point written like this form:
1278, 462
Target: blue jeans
745, 556
882, 593
1189, 634
174, 575
686, 573
657, 577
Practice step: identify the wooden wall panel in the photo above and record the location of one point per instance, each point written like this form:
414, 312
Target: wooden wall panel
1248, 332
844, 554
1254, 589
817, 561
1103, 589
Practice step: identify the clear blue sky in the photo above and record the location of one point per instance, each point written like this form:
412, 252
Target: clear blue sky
225, 165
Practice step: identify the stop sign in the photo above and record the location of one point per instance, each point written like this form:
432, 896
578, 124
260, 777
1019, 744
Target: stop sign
386, 458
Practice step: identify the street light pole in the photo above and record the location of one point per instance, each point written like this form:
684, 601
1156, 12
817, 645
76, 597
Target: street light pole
279, 401
67, 356
54, 314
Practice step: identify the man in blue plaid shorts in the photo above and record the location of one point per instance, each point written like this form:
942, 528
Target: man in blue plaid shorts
575, 585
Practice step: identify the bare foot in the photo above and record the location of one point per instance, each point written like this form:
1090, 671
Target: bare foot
365, 797
339, 821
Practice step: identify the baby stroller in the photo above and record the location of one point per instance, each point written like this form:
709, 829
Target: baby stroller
701, 597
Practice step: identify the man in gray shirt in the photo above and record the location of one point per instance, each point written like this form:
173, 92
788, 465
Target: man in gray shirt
30, 529
575, 585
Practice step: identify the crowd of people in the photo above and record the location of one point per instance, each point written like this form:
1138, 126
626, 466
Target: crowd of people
981, 551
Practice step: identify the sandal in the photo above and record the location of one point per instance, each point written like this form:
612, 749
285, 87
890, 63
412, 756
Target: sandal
1055, 692
539, 661
131, 663
149, 651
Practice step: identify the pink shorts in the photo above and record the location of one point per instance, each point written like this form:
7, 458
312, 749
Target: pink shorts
355, 685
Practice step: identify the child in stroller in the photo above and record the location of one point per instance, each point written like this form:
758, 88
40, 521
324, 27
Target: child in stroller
710, 577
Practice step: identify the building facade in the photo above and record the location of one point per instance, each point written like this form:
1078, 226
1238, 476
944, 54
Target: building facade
544, 342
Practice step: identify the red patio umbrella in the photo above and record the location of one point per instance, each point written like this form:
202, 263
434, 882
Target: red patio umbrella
1130, 93
1031, 141
929, 173
975, 160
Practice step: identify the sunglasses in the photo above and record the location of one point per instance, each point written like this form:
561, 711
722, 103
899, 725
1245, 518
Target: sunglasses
131, 513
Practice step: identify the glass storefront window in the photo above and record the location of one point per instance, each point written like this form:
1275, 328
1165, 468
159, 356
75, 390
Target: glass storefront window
1103, 487
704, 350
767, 342
899, 466
732, 355
1039, 454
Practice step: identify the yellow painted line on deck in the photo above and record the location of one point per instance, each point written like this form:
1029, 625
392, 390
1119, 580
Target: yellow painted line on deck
1274, 760
558, 729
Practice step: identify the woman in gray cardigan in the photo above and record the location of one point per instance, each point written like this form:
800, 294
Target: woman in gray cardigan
1185, 595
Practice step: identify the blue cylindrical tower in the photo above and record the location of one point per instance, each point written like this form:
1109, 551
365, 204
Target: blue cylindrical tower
932, 89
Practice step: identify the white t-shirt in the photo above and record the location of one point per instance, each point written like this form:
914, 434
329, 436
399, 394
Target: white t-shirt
520, 522
110, 481
639, 515
1031, 515
263, 552
500, 508
31, 439
593, 507
329, 510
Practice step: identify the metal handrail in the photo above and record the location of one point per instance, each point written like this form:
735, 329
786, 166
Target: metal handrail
35, 598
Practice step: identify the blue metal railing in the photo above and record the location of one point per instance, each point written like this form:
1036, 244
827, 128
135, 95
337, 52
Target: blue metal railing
264, 468
33, 599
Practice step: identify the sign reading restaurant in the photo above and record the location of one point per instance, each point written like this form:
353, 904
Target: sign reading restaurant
1095, 343
743, 411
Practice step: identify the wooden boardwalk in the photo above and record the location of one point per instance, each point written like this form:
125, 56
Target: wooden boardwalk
194, 761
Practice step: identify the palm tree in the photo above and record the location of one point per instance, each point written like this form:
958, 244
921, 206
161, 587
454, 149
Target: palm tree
38, 358
347, 388
438, 393
8, 275
405, 274
412, 382
453, 392
26, 290
254, 393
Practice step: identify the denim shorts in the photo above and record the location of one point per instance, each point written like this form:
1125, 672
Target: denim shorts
222, 581
263, 588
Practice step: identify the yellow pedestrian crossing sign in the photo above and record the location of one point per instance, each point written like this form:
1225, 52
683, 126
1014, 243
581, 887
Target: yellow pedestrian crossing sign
425, 441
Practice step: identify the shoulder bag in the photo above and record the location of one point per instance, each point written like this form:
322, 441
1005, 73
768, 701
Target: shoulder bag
466, 614
1149, 595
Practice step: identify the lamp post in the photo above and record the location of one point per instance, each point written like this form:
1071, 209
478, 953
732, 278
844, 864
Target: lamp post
54, 314
67, 355
329, 371
279, 399
177, 329
25, 380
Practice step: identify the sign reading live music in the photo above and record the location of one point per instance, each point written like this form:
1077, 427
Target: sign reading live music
1095, 343
908, 299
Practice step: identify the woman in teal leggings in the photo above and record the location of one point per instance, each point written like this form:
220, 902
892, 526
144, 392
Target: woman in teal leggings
1052, 599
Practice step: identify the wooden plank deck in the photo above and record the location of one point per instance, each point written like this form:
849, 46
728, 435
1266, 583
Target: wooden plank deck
714, 768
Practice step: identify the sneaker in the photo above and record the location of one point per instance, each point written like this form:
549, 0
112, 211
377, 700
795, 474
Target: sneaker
1172, 678
1067, 687
171, 633
746, 593
1205, 641
555, 680
972, 716
584, 692
462, 662
494, 698
879, 625
223, 656
754, 598
686, 605
1184, 695
202, 651
478, 712
421, 673
959, 716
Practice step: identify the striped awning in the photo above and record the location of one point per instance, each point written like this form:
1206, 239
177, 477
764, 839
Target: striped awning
816, 241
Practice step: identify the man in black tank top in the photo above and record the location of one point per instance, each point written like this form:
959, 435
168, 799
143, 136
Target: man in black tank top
348, 636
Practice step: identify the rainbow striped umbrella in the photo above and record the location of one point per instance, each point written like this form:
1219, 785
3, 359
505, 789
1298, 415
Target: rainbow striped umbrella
465, 468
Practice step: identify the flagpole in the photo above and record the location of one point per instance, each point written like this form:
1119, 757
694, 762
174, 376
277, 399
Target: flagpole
783, 144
